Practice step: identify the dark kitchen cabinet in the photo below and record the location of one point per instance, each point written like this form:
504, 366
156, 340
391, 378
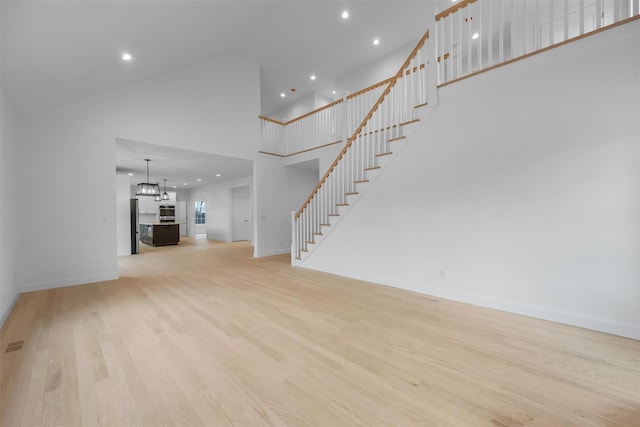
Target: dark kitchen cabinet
160, 234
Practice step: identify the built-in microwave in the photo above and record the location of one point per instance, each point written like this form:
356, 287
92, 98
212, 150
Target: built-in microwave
167, 213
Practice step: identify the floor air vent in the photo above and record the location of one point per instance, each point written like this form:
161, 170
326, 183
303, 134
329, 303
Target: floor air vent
13, 346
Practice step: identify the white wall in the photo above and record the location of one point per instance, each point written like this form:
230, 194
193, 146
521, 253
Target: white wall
123, 214
8, 208
218, 203
325, 156
278, 190
211, 108
182, 194
295, 109
522, 193
376, 71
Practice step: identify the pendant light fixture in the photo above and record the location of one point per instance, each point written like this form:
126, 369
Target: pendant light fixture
158, 198
147, 188
165, 195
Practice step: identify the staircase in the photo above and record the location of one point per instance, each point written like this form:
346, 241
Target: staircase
377, 139
460, 51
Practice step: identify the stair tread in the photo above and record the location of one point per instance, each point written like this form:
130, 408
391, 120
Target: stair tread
361, 181
396, 139
409, 122
371, 168
351, 194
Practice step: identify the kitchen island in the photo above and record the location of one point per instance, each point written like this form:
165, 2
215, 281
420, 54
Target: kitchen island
160, 233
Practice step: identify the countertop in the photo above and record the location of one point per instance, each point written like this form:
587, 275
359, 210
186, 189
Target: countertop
162, 223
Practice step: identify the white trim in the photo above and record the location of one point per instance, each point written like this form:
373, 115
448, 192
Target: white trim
628, 330
5, 315
41, 286
272, 252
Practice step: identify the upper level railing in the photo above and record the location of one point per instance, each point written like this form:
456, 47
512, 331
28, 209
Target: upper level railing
328, 125
476, 35
320, 127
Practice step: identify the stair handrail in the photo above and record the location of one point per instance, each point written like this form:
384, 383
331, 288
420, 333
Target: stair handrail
305, 115
392, 83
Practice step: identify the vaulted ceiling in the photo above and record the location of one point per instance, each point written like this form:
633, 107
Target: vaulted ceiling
58, 52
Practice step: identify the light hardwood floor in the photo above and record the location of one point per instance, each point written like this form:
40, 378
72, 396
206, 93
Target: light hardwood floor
203, 334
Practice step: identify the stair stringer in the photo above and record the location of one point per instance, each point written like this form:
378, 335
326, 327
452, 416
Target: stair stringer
408, 131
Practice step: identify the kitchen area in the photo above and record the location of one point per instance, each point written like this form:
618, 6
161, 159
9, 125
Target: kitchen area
157, 222
158, 189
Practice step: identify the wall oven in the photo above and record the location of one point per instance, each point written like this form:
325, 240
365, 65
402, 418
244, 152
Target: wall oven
167, 213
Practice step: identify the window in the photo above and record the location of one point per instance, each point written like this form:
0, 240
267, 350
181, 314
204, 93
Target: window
201, 210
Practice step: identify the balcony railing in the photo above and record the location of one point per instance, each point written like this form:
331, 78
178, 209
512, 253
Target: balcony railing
315, 129
476, 35
334, 123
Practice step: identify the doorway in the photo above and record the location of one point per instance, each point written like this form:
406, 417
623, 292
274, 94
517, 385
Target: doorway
200, 216
240, 213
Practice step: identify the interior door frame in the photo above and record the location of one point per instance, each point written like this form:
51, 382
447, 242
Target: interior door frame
248, 213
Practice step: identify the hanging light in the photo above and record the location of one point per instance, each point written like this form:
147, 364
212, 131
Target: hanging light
147, 188
158, 198
165, 195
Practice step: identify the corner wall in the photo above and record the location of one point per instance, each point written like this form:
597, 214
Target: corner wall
123, 216
279, 189
521, 193
8, 208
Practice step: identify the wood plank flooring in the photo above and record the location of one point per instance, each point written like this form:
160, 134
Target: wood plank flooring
203, 334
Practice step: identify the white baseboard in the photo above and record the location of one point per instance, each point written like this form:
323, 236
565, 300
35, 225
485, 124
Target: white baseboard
271, 252
627, 330
573, 319
41, 286
5, 315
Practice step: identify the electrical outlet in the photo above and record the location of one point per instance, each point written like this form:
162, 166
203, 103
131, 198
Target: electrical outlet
443, 274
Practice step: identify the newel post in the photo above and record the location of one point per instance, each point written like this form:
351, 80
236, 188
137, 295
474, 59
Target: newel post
294, 240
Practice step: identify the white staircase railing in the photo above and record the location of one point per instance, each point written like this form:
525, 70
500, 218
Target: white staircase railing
359, 103
475, 35
394, 106
328, 125
315, 129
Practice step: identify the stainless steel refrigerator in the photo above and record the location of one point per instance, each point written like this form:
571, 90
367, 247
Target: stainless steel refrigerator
135, 227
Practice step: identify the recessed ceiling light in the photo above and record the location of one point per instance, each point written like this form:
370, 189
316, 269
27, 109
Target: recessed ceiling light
175, 186
376, 42
282, 95
312, 76
218, 174
334, 92
126, 57
345, 14
199, 180
475, 36
184, 183
130, 174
